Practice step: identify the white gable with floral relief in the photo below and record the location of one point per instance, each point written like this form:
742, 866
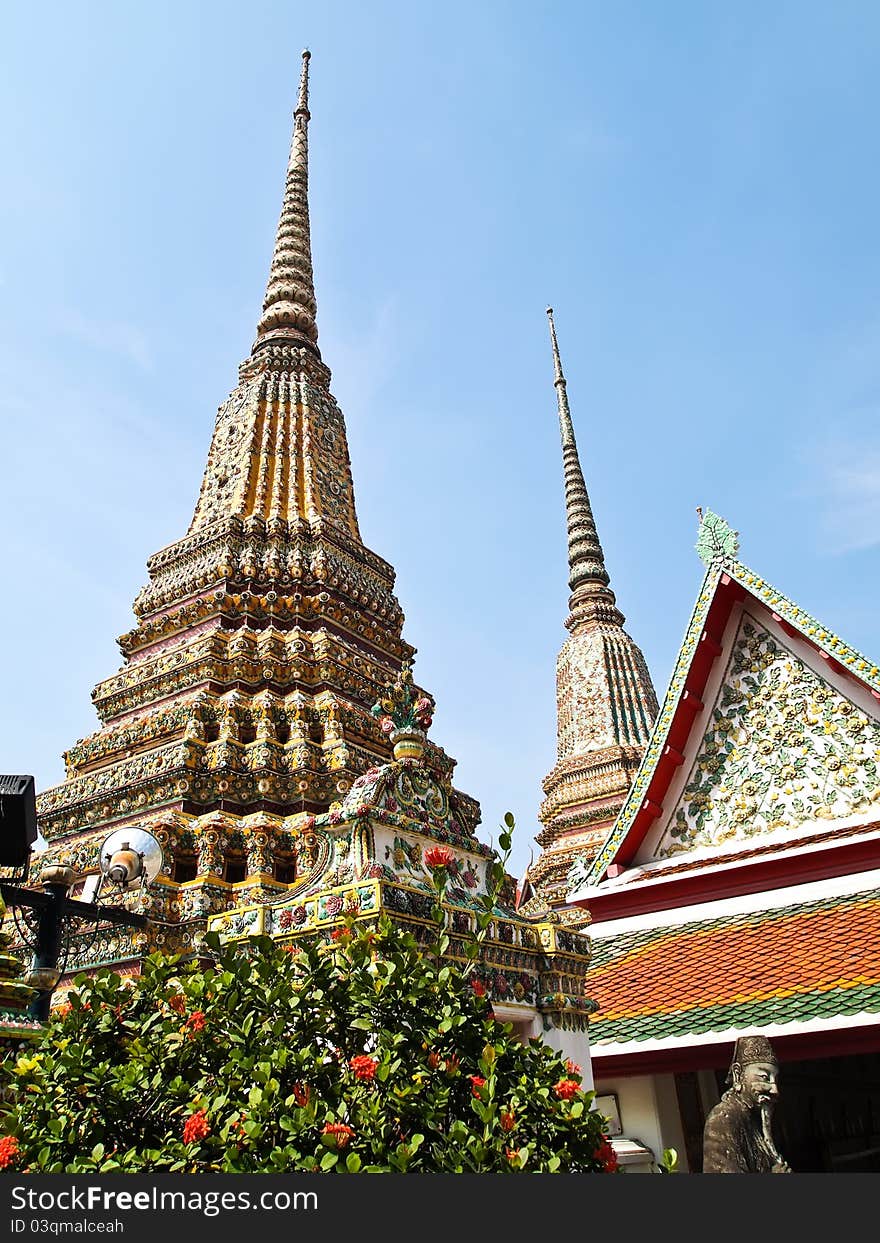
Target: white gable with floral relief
782, 746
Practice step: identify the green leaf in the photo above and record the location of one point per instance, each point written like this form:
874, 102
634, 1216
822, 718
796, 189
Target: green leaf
352, 1163
328, 1160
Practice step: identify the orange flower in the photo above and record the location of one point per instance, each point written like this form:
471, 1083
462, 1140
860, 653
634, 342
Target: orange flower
177, 1002
433, 1059
476, 1084
10, 1151
452, 1064
340, 1132
63, 1010
572, 1067
438, 857
567, 1088
195, 1022
364, 1067
512, 1154
479, 987
301, 1094
196, 1127
508, 1120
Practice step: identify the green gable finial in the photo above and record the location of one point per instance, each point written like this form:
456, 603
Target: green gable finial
717, 540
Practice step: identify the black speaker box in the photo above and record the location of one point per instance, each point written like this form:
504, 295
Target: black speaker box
18, 819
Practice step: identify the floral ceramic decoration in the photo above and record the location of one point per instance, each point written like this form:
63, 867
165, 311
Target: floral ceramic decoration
784, 748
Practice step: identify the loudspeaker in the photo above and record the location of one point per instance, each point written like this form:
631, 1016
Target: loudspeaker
18, 819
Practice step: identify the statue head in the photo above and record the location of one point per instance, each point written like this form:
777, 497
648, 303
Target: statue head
754, 1072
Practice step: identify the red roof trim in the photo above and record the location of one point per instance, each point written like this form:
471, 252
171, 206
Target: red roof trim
746, 876
689, 707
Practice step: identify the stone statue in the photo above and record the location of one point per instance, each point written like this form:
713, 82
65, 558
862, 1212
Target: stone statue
737, 1138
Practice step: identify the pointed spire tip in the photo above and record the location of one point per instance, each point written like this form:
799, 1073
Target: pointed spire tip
306, 54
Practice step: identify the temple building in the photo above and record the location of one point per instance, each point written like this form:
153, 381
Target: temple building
265, 725
738, 891
605, 700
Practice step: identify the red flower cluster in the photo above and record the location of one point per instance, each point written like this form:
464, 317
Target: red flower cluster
438, 857
476, 1084
196, 1127
479, 987
508, 1119
301, 1094
433, 1059
340, 1131
608, 1157
63, 1010
340, 934
572, 1067
177, 1002
10, 1151
567, 1088
364, 1067
195, 1022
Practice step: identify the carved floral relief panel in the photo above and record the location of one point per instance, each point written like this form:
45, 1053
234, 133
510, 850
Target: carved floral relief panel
584, 720
783, 748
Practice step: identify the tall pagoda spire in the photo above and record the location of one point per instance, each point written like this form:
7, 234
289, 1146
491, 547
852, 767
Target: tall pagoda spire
586, 560
606, 703
262, 639
588, 579
290, 307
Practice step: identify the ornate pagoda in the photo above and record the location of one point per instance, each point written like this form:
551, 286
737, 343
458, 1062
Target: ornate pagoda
605, 700
265, 726
263, 637
16, 1024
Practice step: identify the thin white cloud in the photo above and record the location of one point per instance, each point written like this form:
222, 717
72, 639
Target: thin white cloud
124, 340
842, 460
849, 488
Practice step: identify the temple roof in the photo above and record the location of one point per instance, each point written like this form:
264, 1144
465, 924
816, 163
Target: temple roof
805, 964
770, 722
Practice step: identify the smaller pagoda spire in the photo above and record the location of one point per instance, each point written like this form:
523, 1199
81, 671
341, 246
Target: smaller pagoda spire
586, 560
290, 307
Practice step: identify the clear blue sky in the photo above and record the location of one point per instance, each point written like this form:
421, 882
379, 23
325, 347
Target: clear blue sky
694, 186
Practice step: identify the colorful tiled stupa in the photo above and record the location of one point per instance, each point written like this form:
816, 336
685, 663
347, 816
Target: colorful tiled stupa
262, 638
605, 699
16, 1025
241, 730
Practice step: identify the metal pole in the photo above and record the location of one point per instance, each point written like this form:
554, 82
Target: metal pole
55, 882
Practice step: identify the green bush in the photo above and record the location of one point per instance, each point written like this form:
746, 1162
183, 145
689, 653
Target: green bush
361, 1054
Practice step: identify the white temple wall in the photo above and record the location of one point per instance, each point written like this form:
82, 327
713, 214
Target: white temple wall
574, 1045
648, 1108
